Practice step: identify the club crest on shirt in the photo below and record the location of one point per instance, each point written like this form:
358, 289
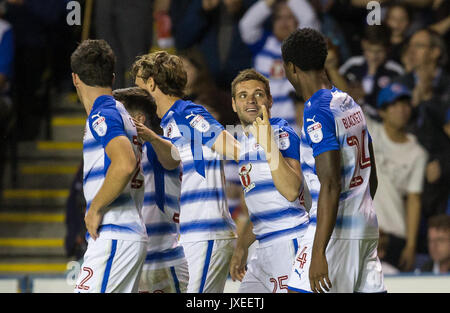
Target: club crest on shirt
314, 130
282, 139
244, 173
99, 125
199, 123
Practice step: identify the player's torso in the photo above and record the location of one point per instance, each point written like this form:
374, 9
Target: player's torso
123, 219
161, 208
356, 217
269, 211
204, 213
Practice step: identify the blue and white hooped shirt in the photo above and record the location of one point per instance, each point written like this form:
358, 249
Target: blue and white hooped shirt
107, 120
161, 212
334, 121
204, 213
273, 216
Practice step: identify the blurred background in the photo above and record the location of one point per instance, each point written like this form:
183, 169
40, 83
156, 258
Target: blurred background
42, 122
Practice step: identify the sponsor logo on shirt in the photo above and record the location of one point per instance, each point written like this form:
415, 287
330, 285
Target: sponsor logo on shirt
99, 125
314, 130
199, 123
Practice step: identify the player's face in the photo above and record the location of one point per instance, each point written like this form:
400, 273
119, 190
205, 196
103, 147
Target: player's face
249, 98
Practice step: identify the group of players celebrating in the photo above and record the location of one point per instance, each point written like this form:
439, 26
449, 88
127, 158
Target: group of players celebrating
157, 214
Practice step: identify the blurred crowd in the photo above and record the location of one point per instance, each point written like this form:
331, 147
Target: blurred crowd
397, 71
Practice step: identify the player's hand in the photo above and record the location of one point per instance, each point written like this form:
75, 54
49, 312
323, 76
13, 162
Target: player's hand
318, 273
237, 264
93, 220
144, 132
262, 131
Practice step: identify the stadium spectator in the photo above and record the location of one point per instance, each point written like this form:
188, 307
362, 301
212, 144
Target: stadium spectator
430, 83
367, 74
128, 28
287, 16
201, 88
34, 23
438, 245
331, 28
6, 107
400, 169
212, 25
398, 19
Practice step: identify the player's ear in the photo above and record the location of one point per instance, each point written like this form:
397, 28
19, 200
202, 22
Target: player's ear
233, 104
75, 79
113, 79
140, 117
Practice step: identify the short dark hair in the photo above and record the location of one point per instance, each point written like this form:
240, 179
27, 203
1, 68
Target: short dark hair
166, 69
138, 99
378, 35
250, 74
93, 61
440, 222
306, 48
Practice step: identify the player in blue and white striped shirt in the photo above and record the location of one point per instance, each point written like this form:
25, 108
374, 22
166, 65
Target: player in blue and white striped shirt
269, 168
165, 268
339, 250
112, 178
207, 229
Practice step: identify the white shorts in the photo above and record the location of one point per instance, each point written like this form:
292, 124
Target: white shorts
269, 268
209, 264
353, 266
111, 265
173, 279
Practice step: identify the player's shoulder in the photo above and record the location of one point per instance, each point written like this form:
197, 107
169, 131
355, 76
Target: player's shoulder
280, 125
320, 102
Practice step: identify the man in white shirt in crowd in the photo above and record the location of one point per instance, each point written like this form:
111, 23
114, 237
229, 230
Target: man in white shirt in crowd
401, 165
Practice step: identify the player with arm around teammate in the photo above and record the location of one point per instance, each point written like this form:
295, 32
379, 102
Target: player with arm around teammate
112, 178
339, 250
269, 168
165, 269
206, 227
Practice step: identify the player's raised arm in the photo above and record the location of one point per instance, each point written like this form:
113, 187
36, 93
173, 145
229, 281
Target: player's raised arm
119, 173
227, 146
286, 171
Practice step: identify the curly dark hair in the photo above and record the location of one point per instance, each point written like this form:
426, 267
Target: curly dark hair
93, 61
306, 48
166, 69
138, 99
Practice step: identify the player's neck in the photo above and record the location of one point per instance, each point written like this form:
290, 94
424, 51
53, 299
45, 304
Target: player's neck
313, 81
164, 103
91, 94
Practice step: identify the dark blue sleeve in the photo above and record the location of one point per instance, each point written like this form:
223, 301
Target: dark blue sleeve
202, 125
320, 129
105, 125
288, 143
6, 53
